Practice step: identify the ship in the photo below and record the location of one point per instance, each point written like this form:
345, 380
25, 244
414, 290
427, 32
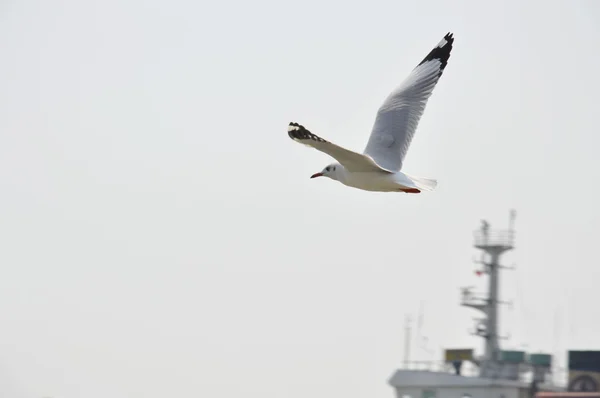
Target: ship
497, 372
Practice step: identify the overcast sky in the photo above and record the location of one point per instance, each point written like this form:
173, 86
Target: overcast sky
161, 237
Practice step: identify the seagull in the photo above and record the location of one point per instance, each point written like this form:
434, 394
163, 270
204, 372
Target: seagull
378, 167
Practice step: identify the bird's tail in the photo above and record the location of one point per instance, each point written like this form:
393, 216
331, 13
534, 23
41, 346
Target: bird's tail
424, 184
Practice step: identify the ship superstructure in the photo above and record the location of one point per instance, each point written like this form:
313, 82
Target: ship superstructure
496, 373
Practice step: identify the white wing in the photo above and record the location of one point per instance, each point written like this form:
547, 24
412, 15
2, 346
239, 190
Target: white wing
352, 161
398, 117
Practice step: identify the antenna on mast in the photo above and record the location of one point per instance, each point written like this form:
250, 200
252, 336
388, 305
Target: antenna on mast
421, 337
511, 220
407, 321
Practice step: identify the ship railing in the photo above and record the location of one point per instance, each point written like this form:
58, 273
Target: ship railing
502, 238
467, 369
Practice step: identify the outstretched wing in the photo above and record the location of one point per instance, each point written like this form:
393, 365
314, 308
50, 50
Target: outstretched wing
352, 161
398, 117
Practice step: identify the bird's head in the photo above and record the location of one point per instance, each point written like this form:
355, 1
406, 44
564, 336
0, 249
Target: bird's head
333, 171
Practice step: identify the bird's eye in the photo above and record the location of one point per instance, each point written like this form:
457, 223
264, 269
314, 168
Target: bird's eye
327, 168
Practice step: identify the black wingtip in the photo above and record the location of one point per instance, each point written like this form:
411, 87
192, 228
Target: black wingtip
298, 132
294, 129
441, 52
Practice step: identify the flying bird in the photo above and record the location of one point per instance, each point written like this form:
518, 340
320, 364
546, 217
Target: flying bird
378, 167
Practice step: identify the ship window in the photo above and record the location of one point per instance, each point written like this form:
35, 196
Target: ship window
428, 394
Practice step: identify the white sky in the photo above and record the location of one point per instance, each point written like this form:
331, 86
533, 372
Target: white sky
161, 237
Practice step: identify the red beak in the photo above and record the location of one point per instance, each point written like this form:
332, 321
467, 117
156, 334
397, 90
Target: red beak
316, 175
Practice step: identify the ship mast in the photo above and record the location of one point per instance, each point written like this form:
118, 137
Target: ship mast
492, 244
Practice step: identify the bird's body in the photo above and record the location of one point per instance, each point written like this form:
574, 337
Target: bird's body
378, 167
380, 181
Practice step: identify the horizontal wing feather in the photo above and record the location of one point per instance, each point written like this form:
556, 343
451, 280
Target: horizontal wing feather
352, 161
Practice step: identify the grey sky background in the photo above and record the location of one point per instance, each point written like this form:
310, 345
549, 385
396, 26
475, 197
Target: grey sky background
161, 237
